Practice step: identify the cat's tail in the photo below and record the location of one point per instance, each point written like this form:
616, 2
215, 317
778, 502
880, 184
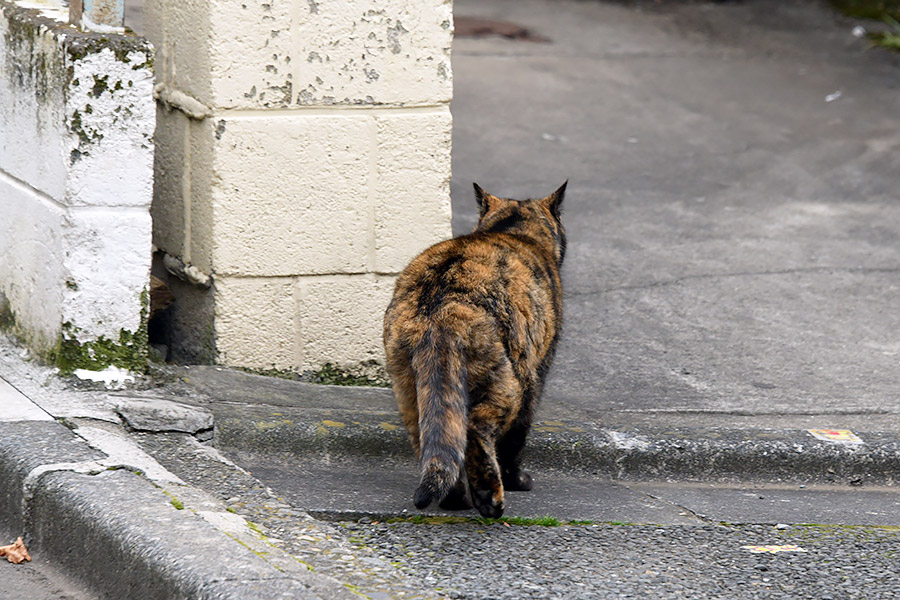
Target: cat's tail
442, 393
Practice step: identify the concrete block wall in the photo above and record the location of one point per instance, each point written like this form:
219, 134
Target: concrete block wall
303, 157
76, 168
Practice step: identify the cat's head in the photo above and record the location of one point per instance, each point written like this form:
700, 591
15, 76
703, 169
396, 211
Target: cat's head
538, 218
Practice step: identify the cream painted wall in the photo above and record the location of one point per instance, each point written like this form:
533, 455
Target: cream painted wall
302, 158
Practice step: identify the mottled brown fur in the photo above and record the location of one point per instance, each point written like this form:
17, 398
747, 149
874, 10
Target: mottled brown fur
469, 337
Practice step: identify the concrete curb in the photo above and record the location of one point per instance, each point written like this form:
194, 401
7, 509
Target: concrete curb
722, 454
296, 419
713, 455
78, 501
123, 535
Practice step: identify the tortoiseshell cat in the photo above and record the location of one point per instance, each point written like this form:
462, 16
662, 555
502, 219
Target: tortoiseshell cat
469, 336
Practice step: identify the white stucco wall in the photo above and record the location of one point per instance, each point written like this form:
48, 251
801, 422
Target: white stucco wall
76, 166
303, 157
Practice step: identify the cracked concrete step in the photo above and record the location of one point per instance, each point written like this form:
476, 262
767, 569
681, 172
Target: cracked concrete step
126, 536
154, 414
693, 453
293, 418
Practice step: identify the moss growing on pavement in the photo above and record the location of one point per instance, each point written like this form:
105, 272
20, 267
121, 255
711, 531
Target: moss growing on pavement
255, 528
367, 375
518, 521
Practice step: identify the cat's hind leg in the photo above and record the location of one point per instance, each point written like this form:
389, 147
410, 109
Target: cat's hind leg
485, 483
486, 420
458, 497
509, 450
512, 442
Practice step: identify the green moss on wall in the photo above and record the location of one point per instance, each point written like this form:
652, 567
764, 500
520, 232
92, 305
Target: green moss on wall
129, 351
7, 317
368, 374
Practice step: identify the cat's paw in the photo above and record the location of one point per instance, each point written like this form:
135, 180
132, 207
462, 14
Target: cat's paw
520, 481
456, 502
457, 498
488, 504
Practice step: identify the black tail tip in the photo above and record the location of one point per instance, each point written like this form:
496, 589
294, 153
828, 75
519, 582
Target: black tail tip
423, 498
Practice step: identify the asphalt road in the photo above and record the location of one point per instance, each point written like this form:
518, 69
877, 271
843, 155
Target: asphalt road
626, 561
642, 539
38, 580
733, 224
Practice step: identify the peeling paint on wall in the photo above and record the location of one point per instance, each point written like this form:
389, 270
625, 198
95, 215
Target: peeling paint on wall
359, 55
302, 210
76, 152
393, 37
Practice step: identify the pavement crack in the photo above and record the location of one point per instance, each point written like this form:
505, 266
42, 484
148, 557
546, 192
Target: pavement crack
87, 467
710, 276
684, 509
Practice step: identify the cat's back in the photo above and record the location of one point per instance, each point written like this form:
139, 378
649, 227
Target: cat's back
494, 276
465, 261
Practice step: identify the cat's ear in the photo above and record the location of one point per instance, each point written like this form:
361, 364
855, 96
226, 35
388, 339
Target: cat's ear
554, 200
483, 199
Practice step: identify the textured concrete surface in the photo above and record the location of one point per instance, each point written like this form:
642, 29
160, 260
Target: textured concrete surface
293, 418
734, 238
123, 526
153, 548
164, 415
26, 446
731, 283
303, 157
17, 407
252, 513
667, 540
39, 580
76, 160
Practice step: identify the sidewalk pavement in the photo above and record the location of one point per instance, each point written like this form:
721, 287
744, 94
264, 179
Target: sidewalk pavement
732, 282
88, 498
78, 483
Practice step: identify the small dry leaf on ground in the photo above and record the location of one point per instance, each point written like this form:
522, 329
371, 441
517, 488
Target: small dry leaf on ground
15, 553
